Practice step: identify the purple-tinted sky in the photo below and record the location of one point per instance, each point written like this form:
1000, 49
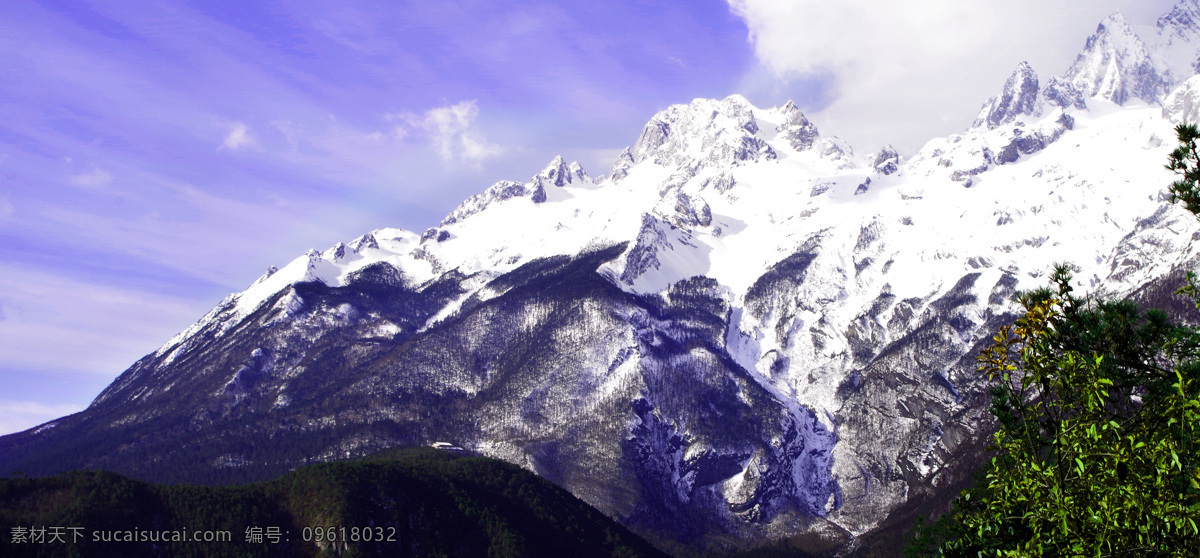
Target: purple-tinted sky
157, 156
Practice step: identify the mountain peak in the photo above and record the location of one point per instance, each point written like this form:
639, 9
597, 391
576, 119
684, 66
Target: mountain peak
364, 242
796, 128
559, 173
337, 252
1113, 20
887, 161
738, 100
1115, 65
705, 132
555, 173
621, 166
1018, 98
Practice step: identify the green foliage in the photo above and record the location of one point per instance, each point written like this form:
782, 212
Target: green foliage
1098, 451
1185, 161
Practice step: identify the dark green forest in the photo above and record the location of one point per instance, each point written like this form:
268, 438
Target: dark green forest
406, 502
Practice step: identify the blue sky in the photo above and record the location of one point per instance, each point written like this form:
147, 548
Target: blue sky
157, 156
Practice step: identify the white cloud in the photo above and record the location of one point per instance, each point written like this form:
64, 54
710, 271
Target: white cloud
450, 130
95, 178
904, 72
864, 37
238, 137
16, 416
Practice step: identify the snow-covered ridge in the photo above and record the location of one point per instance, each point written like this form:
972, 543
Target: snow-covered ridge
561, 209
1002, 196
725, 189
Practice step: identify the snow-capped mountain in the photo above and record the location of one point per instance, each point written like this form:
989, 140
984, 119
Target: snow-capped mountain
1116, 65
745, 332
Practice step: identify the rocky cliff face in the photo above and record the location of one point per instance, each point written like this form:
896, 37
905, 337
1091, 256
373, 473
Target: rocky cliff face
745, 333
1018, 99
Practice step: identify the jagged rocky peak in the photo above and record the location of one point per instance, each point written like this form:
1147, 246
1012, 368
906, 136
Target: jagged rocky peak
576, 173
621, 166
498, 192
364, 242
337, 252
559, 173
1019, 98
887, 161
1182, 106
1115, 64
798, 131
706, 132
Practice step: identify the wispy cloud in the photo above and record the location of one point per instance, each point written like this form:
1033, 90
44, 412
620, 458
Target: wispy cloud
451, 132
16, 416
95, 178
238, 137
